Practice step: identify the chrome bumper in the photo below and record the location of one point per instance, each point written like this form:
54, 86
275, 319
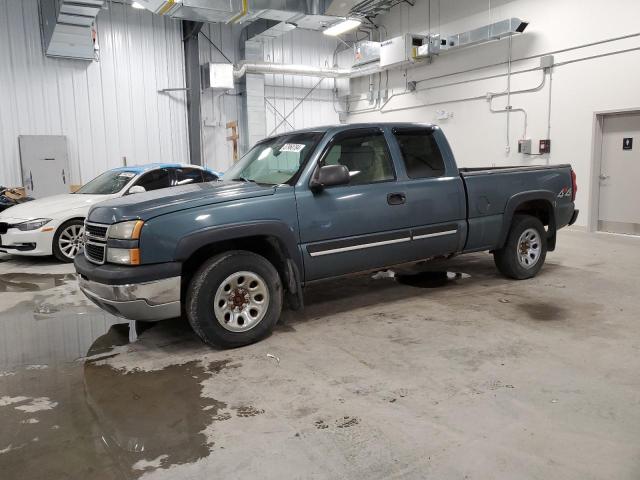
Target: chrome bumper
149, 301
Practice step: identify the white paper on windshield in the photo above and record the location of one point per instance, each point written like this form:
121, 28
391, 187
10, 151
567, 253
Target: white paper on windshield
292, 147
127, 174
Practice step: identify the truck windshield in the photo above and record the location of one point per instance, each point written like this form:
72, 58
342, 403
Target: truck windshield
276, 160
108, 183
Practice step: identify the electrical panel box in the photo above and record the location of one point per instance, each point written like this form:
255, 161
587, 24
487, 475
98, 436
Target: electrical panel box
546, 61
366, 52
524, 146
545, 146
402, 49
217, 76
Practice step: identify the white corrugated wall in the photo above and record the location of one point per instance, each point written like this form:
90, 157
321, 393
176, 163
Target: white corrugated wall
108, 109
284, 92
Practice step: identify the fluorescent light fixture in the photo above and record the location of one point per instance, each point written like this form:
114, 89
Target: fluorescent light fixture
137, 5
344, 26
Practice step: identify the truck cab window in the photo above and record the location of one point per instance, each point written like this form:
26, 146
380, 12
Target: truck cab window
365, 155
420, 152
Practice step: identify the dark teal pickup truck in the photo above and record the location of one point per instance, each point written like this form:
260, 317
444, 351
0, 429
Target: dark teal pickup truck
307, 206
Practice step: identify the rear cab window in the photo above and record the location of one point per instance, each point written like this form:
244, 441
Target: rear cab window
420, 152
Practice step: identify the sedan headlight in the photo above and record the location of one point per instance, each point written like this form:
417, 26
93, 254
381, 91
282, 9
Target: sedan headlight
32, 224
126, 230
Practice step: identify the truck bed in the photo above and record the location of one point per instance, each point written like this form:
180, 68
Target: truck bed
490, 189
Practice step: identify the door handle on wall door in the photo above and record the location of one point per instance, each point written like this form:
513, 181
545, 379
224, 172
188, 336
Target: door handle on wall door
64, 178
603, 177
397, 198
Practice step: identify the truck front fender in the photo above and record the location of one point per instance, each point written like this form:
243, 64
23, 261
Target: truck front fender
278, 230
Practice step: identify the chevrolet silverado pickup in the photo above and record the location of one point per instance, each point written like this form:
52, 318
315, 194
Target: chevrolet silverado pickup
307, 206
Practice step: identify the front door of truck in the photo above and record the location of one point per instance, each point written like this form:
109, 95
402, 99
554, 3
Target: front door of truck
436, 200
359, 226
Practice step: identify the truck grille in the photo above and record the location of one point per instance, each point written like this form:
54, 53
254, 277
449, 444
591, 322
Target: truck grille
94, 252
96, 230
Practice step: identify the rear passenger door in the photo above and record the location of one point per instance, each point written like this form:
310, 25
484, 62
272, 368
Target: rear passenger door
358, 226
436, 200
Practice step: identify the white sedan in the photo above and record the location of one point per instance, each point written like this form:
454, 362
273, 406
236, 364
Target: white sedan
55, 225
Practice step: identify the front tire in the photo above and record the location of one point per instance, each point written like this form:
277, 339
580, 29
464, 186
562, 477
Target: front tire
68, 240
234, 299
525, 250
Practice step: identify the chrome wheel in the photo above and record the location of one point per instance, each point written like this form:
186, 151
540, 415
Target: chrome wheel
241, 301
71, 239
529, 248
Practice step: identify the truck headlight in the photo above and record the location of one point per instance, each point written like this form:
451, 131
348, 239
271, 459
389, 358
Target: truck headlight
123, 256
126, 230
32, 224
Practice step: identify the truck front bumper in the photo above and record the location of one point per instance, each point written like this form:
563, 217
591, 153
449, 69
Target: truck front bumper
143, 293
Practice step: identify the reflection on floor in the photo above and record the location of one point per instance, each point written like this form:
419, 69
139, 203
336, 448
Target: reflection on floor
440, 371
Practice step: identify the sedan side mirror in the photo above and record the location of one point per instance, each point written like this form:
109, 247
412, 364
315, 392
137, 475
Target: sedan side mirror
137, 189
329, 176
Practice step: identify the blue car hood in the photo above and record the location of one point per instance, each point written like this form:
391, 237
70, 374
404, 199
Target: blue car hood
147, 205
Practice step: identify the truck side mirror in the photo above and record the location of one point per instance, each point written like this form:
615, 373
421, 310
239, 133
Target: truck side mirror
329, 176
137, 189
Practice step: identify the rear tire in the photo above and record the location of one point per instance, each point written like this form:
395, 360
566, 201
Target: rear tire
234, 299
525, 250
68, 240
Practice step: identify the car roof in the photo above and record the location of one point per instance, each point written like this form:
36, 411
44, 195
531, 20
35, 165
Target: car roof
153, 166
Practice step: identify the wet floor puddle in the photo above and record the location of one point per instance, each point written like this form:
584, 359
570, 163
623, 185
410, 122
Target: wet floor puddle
86, 419
33, 282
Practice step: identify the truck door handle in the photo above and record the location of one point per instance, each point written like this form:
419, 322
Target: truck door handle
397, 198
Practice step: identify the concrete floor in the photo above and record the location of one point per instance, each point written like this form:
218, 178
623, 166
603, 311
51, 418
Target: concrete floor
475, 377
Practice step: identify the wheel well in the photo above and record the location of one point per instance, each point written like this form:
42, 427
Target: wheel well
542, 210
265, 245
68, 220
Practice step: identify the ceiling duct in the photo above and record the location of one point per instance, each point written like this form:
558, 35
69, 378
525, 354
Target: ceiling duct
486, 33
408, 52
67, 27
308, 14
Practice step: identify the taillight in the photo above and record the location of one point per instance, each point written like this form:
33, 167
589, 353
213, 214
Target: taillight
574, 185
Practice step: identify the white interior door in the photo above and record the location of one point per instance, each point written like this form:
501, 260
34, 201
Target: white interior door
45, 165
619, 210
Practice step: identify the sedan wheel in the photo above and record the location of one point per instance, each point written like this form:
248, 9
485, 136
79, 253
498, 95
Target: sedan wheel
69, 240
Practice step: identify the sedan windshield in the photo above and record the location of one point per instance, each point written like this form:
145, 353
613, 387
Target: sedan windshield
276, 160
108, 183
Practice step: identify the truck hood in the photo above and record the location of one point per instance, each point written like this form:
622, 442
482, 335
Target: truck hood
55, 207
147, 205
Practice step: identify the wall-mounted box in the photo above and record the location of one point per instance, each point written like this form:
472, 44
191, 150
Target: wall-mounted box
402, 49
545, 146
524, 146
217, 76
